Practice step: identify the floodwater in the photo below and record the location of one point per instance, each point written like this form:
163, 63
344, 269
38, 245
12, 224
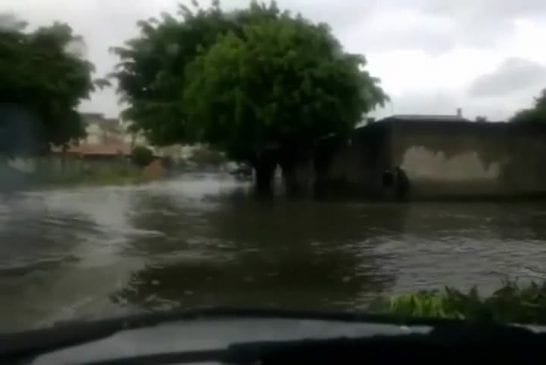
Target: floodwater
202, 240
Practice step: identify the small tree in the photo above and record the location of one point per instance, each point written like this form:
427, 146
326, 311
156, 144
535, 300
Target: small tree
142, 156
535, 114
43, 77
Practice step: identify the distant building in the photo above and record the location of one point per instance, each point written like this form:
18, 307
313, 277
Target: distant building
428, 117
133, 138
113, 137
101, 130
99, 151
105, 138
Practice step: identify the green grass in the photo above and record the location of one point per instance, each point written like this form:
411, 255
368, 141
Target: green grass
512, 303
98, 177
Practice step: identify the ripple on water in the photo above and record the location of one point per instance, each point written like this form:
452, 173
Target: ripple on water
198, 241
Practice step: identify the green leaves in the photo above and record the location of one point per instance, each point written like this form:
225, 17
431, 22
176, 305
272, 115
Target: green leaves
142, 156
43, 75
242, 81
285, 80
152, 70
511, 303
535, 114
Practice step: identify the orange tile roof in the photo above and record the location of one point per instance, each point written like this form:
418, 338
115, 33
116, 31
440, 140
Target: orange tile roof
110, 149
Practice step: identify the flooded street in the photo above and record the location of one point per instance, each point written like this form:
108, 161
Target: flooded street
94, 252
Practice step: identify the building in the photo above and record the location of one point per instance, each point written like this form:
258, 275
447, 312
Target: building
428, 156
99, 151
110, 137
105, 138
101, 130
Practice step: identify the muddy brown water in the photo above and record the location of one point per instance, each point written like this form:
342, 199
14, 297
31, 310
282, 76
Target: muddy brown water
95, 252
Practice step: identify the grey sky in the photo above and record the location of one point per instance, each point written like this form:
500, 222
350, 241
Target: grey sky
513, 76
431, 55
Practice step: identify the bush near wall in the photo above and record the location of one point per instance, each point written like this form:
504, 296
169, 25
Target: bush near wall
70, 170
512, 303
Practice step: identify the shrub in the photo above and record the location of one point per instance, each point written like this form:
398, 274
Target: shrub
511, 303
142, 156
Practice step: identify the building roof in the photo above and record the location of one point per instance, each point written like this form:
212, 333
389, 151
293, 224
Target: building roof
92, 115
109, 149
428, 117
430, 122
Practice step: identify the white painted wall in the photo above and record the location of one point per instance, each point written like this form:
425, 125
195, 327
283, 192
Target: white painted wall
420, 163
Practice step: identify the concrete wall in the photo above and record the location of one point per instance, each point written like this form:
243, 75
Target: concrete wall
445, 159
441, 159
353, 165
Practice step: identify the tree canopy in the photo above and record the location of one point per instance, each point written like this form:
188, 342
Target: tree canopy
535, 114
281, 83
244, 81
43, 77
152, 70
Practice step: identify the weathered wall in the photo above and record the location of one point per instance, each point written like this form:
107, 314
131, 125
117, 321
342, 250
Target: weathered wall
441, 159
470, 159
353, 165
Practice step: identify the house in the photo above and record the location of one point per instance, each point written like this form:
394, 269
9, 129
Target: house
101, 130
99, 151
105, 139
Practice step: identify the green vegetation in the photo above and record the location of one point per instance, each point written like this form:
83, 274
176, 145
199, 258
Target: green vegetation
511, 303
79, 172
142, 156
259, 84
93, 179
43, 77
535, 114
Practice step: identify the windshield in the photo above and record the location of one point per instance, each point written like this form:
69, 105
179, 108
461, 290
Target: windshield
343, 156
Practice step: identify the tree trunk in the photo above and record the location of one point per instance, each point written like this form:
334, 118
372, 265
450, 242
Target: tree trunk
264, 171
63, 158
289, 175
298, 173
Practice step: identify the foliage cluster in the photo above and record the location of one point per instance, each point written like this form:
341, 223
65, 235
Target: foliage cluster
142, 156
535, 114
246, 82
43, 77
512, 303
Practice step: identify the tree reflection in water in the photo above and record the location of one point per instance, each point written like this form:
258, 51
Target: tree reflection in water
251, 253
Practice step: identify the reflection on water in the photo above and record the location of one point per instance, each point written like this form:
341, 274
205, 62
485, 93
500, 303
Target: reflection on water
202, 240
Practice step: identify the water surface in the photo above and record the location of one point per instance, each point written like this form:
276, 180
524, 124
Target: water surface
86, 253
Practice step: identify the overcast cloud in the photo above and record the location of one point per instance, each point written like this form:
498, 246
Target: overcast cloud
513, 76
432, 56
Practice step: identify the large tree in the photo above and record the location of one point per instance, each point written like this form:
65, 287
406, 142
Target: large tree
535, 114
152, 71
43, 77
260, 84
